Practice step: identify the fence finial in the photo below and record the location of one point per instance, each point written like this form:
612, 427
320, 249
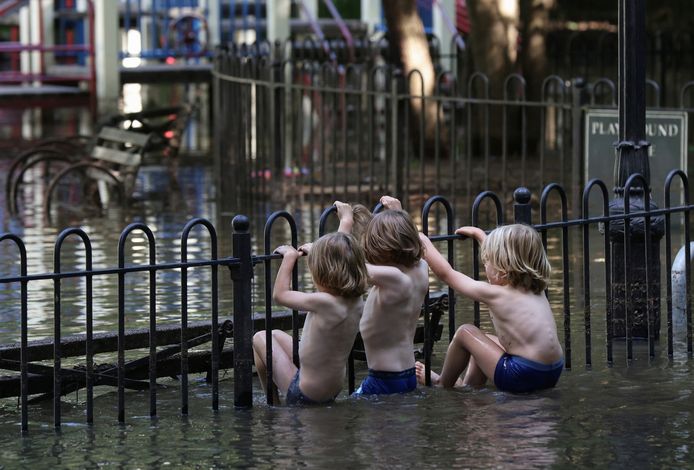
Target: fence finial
521, 206
240, 223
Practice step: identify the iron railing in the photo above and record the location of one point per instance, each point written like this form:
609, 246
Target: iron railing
23, 357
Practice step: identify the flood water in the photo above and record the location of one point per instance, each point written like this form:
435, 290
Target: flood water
602, 418
636, 414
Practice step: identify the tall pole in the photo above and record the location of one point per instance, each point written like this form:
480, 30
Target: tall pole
277, 16
635, 252
371, 14
106, 57
632, 148
444, 28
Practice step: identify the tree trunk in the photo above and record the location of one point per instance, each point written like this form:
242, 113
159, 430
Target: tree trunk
494, 39
535, 17
409, 43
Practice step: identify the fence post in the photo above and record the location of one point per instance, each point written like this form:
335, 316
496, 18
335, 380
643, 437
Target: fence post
241, 274
217, 118
577, 100
521, 206
396, 134
277, 88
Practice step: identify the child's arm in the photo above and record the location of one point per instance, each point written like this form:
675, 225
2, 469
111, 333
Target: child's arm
283, 293
344, 213
476, 290
473, 232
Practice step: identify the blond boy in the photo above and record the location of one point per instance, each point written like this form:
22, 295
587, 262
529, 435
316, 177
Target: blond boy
336, 263
525, 355
400, 282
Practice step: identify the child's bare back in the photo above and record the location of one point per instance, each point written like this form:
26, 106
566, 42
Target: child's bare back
524, 324
391, 313
326, 339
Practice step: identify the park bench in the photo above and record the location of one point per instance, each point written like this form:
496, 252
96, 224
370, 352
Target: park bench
168, 359
164, 126
108, 173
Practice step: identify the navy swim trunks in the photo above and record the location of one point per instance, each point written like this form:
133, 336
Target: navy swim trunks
296, 397
519, 375
381, 383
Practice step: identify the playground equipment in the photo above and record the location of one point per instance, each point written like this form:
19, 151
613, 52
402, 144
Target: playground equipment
49, 48
43, 64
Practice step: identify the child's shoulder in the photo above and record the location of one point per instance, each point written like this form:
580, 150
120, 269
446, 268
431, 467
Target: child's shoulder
338, 308
519, 296
421, 268
416, 277
416, 271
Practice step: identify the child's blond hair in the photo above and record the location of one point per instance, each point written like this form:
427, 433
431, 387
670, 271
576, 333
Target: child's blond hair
392, 238
516, 251
337, 264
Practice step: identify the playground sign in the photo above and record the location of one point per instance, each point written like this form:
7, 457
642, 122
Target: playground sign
666, 131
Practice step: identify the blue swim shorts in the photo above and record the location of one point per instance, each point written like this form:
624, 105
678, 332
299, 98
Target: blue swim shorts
381, 383
296, 397
519, 375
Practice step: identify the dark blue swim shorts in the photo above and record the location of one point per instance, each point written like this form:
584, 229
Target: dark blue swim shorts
519, 375
296, 397
381, 383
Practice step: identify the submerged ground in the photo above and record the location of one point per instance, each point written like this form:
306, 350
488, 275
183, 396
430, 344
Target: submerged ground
603, 418
636, 414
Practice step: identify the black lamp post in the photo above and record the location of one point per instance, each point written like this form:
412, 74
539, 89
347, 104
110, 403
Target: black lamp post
632, 157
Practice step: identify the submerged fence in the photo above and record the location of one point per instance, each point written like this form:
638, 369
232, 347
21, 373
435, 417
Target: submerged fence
438, 216
328, 131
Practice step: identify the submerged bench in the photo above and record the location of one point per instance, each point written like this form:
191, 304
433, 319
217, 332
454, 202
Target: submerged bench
113, 164
168, 360
72, 167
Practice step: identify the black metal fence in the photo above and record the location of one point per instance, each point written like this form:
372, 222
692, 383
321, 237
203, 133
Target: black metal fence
575, 305
324, 131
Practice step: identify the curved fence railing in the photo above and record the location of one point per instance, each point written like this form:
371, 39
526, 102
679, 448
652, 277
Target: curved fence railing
614, 307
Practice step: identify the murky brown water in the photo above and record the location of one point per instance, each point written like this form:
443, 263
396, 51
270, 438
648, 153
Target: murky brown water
637, 415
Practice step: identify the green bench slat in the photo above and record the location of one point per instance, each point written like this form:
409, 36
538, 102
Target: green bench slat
113, 134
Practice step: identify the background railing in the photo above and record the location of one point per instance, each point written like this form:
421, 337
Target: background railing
327, 131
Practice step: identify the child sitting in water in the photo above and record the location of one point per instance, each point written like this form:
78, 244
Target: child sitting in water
526, 354
336, 263
400, 282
